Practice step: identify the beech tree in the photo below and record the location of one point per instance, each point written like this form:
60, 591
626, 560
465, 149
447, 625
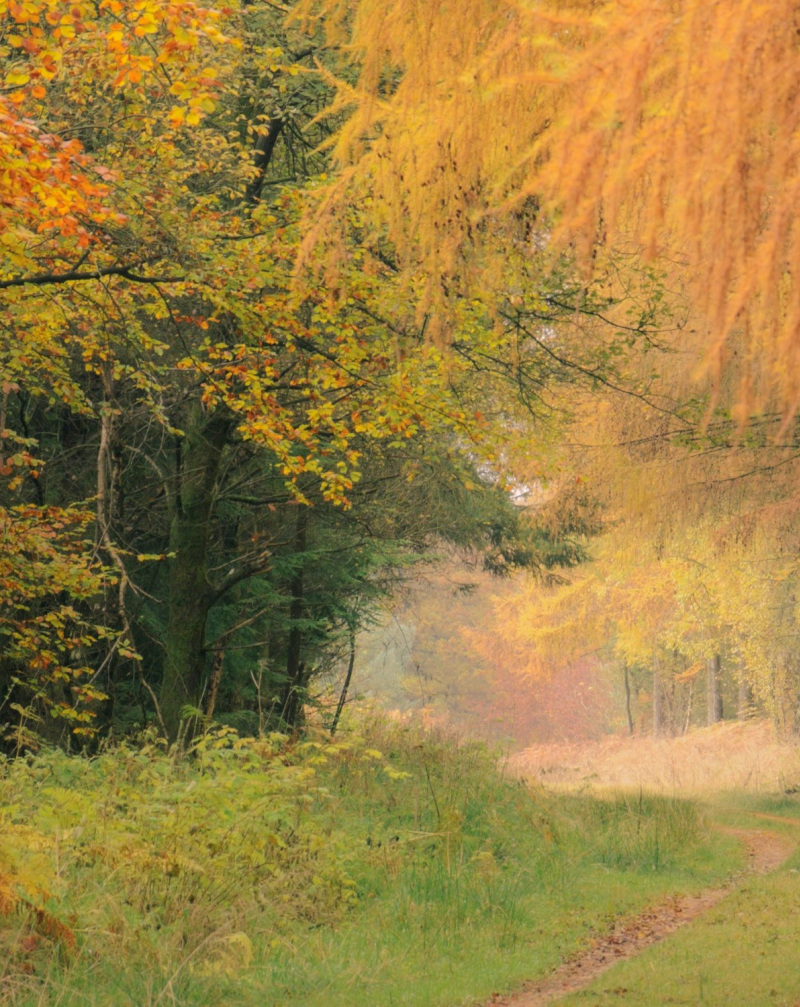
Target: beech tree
187, 381
63, 226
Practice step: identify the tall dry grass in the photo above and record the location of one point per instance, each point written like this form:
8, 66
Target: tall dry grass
728, 756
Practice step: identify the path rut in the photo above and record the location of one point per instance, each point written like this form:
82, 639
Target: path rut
766, 852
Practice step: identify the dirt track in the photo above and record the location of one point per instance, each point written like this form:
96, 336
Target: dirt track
766, 852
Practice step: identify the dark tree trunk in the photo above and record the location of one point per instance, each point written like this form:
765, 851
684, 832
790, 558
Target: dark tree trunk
199, 456
347, 679
295, 684
656, 699
262, 155
627, 682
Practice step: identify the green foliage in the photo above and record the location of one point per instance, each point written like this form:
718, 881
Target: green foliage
273, 871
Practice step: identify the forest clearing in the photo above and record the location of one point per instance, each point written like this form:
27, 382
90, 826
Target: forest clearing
399, 511
733, 756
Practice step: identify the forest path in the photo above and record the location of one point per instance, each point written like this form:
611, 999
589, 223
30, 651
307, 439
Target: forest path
765, 852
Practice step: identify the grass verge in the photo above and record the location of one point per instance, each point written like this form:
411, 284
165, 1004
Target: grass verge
388, 868
743, 951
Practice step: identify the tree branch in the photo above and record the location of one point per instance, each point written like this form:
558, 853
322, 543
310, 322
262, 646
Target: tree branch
78, 276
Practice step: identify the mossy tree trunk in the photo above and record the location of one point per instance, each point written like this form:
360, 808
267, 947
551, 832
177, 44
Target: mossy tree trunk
198, 456
293, 698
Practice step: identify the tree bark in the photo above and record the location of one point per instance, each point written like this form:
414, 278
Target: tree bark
262, 155
294, 687
627, 682
656, 699
348, 677
189, 601
713, 694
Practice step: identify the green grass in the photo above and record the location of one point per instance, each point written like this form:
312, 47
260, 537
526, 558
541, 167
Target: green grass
743, 952
392, 868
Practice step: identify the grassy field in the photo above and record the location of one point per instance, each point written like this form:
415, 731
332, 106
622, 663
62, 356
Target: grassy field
745, 950
389, 868
736, 756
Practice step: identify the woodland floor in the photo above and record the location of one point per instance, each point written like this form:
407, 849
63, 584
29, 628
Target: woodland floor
404, 871
723, 759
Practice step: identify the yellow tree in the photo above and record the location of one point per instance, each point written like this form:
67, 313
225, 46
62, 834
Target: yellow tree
608, 133
699, 555
666, 127
58, 215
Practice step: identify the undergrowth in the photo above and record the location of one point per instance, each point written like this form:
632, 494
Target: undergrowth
386, 867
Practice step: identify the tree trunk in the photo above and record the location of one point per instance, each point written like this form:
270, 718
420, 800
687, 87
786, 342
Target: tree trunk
656, 699
713, 694
347, 679
687, 721
199, 456
672, 708
294, 687
627, 682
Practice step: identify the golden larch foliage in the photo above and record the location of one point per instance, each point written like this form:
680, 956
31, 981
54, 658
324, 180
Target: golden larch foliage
669, 126
682, 127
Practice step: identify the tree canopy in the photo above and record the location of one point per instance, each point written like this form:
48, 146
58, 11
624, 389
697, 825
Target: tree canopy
297, 298
662, 128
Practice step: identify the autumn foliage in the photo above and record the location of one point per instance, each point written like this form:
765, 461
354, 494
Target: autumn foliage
300, 301
329, 281
663, 128
170, 348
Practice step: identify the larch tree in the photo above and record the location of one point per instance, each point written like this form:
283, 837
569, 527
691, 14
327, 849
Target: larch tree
667, 128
